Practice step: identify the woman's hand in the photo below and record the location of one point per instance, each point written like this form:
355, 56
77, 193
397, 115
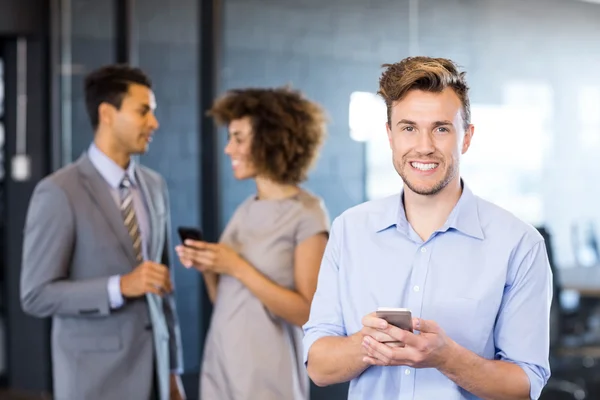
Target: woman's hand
212, 257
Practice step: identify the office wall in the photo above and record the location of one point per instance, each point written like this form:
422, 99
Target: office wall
88, 43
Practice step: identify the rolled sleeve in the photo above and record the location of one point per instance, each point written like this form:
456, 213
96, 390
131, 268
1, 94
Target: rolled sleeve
114, 292
522, 332
537, 378
326, 317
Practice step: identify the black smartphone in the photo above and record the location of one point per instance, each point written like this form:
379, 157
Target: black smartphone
186, 232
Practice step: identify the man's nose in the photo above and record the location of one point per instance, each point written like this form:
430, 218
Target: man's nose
153, 122
425, 143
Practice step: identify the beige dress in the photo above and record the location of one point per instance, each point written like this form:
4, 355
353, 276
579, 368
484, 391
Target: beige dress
251, 354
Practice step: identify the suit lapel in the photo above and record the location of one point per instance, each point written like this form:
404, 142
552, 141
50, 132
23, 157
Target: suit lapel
148, 196
99, 193
155, 302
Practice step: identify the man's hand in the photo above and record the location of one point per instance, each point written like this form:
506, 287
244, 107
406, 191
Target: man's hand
176, 391
148, 277
377, 329
429, 349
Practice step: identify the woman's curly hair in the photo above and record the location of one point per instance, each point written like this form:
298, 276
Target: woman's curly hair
288, 129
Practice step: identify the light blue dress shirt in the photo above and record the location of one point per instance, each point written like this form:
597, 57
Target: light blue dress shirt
484, 277
114, 174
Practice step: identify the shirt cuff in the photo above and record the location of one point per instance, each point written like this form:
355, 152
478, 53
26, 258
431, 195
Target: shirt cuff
309, 339
537, 379
177, 371
115, 297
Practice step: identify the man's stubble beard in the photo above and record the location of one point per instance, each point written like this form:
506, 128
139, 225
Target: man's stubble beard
451, 172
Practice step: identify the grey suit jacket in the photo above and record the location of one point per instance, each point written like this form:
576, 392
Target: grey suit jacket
75, 239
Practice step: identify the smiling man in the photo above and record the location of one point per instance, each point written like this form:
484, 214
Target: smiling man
96, 255
475, 278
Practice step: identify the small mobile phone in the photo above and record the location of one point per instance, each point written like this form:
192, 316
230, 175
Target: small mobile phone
400, 317
186, 232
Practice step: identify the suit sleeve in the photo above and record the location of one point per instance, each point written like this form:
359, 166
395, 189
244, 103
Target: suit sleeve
175, 350
48, 245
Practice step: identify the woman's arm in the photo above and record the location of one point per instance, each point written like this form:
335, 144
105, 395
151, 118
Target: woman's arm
292, 306
211, 280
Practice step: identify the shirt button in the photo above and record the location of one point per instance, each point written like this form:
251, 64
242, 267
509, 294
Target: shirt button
416, 288
423, 249
407, 371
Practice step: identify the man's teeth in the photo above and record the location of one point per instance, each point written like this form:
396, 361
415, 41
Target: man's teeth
423, 167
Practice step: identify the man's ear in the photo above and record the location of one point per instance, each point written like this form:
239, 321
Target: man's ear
106, 114
469, 132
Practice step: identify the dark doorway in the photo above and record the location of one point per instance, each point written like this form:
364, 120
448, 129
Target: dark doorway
25, 155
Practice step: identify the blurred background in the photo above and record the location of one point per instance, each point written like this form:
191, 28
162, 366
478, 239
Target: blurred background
534, 71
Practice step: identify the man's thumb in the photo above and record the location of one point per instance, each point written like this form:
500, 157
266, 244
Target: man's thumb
422, 325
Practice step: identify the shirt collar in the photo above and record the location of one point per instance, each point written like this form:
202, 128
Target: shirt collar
465, 215
463, 218
110, 171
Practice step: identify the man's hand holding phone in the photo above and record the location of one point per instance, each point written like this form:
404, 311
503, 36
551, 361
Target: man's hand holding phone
385, 344
375, 327
376, 324
148, 277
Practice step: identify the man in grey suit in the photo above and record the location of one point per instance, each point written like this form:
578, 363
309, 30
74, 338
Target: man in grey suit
96, 256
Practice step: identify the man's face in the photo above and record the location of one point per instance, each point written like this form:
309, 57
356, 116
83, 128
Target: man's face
134, 123
427, 136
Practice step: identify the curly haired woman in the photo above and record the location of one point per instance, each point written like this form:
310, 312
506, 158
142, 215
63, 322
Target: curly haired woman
262, 274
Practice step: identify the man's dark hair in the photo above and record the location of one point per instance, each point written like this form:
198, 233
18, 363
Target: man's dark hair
110, 84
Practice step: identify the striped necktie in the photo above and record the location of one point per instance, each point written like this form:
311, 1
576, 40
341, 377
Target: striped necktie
128, 213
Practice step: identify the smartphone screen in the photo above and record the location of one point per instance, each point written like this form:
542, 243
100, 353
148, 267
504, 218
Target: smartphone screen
400, 317
189, 233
